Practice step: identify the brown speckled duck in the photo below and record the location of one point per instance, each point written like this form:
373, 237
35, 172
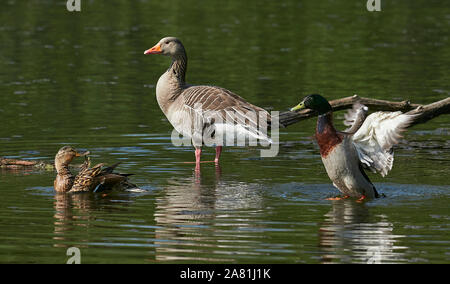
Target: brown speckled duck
93, 179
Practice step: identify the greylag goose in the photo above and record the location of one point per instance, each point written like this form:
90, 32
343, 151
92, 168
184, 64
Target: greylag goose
345, 155
199, 111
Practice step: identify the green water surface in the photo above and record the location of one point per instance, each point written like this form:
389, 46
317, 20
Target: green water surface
81, 79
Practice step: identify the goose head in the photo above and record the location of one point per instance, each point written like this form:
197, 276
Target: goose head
315, 102
65, 156
170, 46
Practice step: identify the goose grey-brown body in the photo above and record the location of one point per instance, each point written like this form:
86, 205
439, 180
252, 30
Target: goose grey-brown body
183, 105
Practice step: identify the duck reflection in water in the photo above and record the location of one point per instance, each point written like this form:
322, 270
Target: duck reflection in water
350, 234
69, 211
75, 211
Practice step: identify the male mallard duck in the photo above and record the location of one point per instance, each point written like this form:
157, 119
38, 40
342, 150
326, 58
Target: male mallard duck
345, 155
88, 179
195, 110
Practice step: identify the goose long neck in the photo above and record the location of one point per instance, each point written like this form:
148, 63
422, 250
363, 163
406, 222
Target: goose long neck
178, 67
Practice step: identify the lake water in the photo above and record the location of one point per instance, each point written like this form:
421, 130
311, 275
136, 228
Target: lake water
81, 79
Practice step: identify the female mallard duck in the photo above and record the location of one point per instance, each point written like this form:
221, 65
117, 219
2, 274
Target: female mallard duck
198, 110
346, 154
88, 179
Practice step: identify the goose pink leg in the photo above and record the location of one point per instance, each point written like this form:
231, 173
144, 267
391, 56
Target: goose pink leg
198, 154
218, 152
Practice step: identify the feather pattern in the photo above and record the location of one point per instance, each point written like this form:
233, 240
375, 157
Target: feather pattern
355, 117
98, 178
85, 180
211, 109
376, 136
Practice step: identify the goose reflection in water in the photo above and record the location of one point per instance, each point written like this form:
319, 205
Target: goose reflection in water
194, 215
351, 235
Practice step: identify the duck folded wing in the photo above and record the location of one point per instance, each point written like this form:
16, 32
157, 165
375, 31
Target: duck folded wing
376, 136
85, 180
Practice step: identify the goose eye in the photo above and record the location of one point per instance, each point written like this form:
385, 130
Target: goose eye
167, 42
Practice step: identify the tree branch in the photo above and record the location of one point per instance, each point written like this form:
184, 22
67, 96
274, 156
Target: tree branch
425, 112
430, 111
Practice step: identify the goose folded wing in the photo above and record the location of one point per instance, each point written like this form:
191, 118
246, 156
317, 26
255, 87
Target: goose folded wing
226, 110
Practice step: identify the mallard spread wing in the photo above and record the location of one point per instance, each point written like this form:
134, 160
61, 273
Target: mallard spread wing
376, 136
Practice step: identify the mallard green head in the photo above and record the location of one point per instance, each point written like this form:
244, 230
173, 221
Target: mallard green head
315, 102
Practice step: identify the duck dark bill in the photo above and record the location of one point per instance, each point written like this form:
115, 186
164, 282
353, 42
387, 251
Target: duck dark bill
298, 107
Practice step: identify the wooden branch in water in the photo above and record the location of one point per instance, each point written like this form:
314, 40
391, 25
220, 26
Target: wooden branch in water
430, 111
426, 112
17, 164
14, 162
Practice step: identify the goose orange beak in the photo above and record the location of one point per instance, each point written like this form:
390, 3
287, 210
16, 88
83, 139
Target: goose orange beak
154, 50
